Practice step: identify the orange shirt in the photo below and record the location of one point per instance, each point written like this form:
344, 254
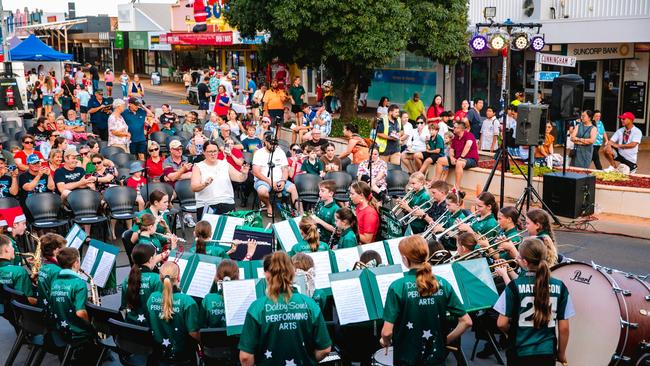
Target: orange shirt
548, 142
274, 99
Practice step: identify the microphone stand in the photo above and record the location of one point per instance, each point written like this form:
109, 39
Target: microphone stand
272, 193
371, 150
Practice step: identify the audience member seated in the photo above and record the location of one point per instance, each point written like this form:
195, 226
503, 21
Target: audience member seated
295, 158
280, 181
154, 163
53, 140
71, 176
544, 153
7, 155
322, 121
316, 141
413, 156
379, 171
175, 168
36, 179
9, 186
104, 172
137, 181
225, 134
331, 162
73, 123
463, 153
39, 132
20, 158
195, 145
250, 141
311, 164
211, 127
357, 147
623, 147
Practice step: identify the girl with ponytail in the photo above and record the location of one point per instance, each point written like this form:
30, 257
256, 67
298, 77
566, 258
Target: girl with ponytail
415, 305
532, 307
310, 238
203, 234
173, 316
366, 210
283, 324
140, 284
487, 210
538, 224
346, 224
212, 308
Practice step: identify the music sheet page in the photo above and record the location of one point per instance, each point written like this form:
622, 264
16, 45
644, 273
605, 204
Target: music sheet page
202, 280
445, 271
379, 248
350, 304
346, 258
286, 234
229, 228
89, 259
104, 269
383, 283
237, 298
393, 245
212, 219
322, 267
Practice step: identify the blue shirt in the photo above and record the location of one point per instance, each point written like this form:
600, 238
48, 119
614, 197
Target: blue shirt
84, 98
99, 118
252, 87
601, 133
251, 144
135, 121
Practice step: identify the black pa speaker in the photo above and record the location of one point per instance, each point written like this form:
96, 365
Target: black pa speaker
571, 194
531, 124
566, 99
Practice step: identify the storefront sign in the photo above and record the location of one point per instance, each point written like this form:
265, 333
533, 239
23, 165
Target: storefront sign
155, 44
119, 40
139, 40
559, 60
405, 77
202, 39
597, 51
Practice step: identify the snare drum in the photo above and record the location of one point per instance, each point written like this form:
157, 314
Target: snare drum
612, 321
383, 358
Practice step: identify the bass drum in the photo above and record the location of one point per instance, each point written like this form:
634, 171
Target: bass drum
612, 321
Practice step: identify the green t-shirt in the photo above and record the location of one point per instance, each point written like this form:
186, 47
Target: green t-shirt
303, 247
418, 333
436, 143
516, 303
152, 240
149, 283
514, 238
284, 333
296, 92
314, 168
67, 296
326, 212
450, 242
419, 198
215, 250
47, 274
482, 226
159, 228
414, 109
15, 277
348, 239
173, 335
213, 312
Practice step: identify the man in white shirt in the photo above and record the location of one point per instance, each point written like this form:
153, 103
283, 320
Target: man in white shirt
623, 148
280, 182
489, 131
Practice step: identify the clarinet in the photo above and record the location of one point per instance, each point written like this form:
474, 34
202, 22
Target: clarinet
336, 233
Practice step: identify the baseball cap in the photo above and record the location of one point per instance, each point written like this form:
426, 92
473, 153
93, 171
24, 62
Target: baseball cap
627, 115
99, 90
175, 144
70, 151
33, 159
135, 101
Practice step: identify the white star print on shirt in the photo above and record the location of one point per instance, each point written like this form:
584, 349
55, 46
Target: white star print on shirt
141, 318
166, 342
289, 363
64, 324
268, 354
426, 334
409, 325
44, 301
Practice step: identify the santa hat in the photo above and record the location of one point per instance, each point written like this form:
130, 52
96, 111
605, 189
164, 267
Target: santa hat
11, 216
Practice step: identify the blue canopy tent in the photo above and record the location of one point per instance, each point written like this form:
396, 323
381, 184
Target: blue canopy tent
33, 49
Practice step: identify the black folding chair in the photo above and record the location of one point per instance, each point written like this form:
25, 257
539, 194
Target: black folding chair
135, 344
218, 348
109, 151
121, 160
32, 330
352, 169
44, 209
161, 139
8, 202
344, 163
185, 195
99, 318
121, 202
396, 181
343, 181
84, 204
307, 187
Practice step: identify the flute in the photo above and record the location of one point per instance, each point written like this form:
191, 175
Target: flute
169, 237
238, 242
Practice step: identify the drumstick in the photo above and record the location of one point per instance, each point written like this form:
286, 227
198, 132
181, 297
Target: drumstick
453, 349
386, 351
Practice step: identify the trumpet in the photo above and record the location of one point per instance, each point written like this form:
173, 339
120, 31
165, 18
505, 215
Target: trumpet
505, 263
397, 209
430, 229
453, 229
488, 249
94, 294
410, 217
481, 236
238, 242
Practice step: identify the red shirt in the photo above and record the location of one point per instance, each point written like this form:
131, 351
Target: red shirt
460, 114
367, 221
154, 128
434, 111
237, 153
154, 170
23, 156
458, 145
136, 184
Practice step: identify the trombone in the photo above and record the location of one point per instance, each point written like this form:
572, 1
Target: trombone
482, 236
453, 229
488, 249
409, 217
397, 209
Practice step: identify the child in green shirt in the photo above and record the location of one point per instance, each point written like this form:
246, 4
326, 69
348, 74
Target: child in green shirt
324, 212
12, 275
311, 239
313, 165
51, 244
140, 284
346, 223
203, 235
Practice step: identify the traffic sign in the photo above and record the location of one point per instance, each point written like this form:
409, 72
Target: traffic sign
559, 60
546, 75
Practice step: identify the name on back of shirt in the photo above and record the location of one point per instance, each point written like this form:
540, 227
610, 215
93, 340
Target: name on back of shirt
528, 288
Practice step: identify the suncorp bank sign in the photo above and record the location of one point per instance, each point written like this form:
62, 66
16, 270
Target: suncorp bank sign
593, 51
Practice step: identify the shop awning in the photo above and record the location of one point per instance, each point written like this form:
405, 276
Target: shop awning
199, 39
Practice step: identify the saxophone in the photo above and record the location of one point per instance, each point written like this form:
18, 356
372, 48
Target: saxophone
37, 261
94, 294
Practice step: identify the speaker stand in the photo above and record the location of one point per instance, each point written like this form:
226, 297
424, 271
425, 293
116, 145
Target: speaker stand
529, 191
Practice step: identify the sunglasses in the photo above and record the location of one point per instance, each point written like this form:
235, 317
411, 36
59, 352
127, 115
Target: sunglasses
419, 122
28, 142
96, 162
154, 149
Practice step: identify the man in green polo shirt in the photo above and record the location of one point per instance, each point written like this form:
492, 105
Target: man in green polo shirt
414, 107
324, 215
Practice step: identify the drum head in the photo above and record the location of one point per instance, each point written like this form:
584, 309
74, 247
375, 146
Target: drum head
596, 327
383, 358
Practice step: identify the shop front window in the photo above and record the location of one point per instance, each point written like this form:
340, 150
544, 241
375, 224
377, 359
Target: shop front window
480, 78
610, 92
588, 72
461, 86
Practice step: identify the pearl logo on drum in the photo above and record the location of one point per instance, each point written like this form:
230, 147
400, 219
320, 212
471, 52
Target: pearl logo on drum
577, 277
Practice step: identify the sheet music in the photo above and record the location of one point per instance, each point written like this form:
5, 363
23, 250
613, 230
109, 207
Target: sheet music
322, 267
383, 283
202, 280
212, 219
377, 247
228, 232
104, 269
89, 259
242, 274
238, 297
393, 245
260, 272
445, 271
76, 243
285, 233
350, 307
72, 235
346, 258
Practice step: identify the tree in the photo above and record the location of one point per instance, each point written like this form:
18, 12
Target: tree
353, 37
